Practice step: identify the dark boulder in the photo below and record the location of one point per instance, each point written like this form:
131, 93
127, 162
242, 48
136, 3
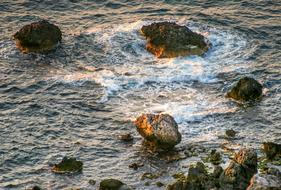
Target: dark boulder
230, 133
38, 37
68, 165
167, 40
161, 130
271, 149
245, 90
113, 184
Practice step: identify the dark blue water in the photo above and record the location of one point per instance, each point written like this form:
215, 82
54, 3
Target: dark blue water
78, 100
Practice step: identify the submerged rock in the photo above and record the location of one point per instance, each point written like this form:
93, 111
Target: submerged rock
271, 149
239, 172
127, 137
113, 184
68, 165
35, 188
136, 166
230, 133
38, 37
246, 89
167, 40
161, 130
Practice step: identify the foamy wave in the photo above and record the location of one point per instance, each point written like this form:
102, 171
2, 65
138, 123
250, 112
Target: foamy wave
133, 78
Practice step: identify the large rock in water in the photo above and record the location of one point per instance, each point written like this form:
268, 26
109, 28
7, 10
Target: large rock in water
240, 171
38, 37
167, 40
246, 89
161, 130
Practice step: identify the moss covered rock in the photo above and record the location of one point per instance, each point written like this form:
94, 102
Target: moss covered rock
38, 37
245, 90
68, 165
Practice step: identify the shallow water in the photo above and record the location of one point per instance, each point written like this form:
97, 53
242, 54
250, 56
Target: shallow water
77, 100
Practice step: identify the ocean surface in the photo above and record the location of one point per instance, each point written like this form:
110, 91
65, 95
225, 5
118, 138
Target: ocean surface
77, 100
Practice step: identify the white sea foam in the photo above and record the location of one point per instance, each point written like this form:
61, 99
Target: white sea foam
134, 79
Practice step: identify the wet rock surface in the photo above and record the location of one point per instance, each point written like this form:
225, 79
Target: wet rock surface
160, 130
245, 89
68, 165
38, 37
167, 40
113, 184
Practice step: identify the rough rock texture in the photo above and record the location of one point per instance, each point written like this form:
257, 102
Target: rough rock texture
265, 182
246, 89
38, 37
271, 149
113, 184
239, 172
161, 130
247, 158
167, 40
197, 179
68, 165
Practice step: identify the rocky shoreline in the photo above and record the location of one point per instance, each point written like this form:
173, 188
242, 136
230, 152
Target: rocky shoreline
160, 131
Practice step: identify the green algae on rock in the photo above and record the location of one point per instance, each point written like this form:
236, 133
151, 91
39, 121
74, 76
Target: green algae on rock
68, 165
168, 39
38, 37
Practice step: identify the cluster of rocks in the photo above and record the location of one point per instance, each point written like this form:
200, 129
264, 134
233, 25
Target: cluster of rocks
240, 174
166, 40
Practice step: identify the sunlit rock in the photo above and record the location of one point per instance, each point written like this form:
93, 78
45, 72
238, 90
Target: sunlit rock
167, 40
38, 37
113, 184
239, 172
68, 165
161, 130
271, 149
246, 89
